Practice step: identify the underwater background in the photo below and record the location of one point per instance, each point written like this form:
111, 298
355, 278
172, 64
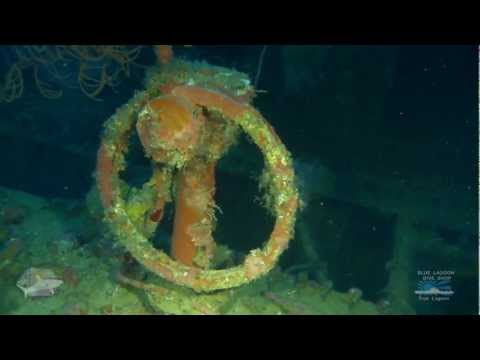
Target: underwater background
384, 143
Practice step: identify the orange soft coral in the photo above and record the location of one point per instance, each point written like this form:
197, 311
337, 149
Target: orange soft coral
167, 124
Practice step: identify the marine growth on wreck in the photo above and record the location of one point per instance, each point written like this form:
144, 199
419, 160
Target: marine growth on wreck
272, 184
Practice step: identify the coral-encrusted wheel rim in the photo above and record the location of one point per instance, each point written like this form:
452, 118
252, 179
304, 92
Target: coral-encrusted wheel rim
281, 188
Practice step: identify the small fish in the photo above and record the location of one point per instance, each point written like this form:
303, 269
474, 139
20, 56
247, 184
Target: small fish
36, 282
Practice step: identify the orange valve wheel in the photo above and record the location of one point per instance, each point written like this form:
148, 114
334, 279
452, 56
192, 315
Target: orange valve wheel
178, 132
